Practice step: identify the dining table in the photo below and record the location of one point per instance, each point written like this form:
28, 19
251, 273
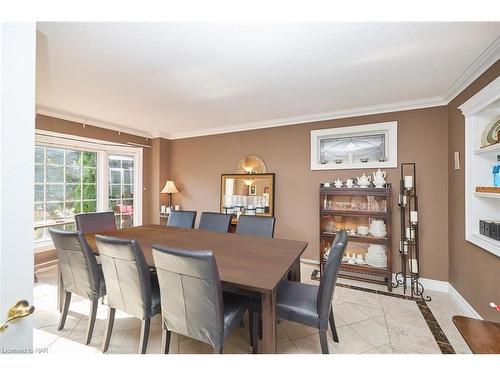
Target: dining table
250, 265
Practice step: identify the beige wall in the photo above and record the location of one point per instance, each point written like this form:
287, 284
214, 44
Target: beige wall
74, 128
160, 170
197, 163
474, 272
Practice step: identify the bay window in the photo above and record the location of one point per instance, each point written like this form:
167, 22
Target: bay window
75, 175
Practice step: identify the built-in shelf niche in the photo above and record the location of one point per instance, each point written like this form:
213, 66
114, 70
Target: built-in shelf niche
479, 111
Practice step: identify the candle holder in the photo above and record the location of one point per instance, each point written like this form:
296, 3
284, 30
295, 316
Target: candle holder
409, 276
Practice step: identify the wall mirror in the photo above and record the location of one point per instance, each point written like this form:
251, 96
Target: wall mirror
247, 194
251, 164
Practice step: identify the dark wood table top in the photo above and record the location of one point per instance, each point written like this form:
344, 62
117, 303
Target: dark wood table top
482, 336
249, 262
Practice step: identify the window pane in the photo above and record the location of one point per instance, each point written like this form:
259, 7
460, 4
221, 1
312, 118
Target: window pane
55, 193
89, 175
89, 191
72, 208
128, 191
39, 173
114, 162
55, 174
39, 155
73, 174
113, 205
128, 176
127, 206
73, 158
127, 162
39, 212
39, 193
73, 192
126, 221
89, 159
89, 206
115, 192
115, 176
55, 156
54, 211
354, 148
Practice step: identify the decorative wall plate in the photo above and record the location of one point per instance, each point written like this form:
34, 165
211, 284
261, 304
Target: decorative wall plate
490, 133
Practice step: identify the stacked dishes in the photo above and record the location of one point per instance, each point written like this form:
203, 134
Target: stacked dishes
378, 228
376, 257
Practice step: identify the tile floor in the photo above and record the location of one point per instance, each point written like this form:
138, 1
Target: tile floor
366, 323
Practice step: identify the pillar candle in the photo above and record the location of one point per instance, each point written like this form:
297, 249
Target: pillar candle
408, 182
413, 216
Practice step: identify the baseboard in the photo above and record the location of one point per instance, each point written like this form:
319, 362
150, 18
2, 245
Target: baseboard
462, 302
435, 285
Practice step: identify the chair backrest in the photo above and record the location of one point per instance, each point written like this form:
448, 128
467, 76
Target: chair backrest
215, 222
329, 277
190, 293
77, 264
181, 219
95, 222
127, 276
262, 226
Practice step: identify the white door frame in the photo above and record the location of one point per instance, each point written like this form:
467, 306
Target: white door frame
17, 141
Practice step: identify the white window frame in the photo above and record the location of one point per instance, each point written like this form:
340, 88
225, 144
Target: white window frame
103, 150
390, 129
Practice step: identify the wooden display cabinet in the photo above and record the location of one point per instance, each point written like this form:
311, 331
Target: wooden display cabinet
348, 208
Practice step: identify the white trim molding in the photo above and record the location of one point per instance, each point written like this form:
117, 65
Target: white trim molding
462, 302
486, 59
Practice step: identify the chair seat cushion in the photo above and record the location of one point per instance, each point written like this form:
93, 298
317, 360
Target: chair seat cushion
234, 309
297, 302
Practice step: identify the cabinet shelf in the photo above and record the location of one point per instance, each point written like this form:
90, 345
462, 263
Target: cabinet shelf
488, 149
381, 198
353, 213
363, 239
487, 195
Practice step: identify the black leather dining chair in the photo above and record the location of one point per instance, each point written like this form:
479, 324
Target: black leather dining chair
262, 226
95, 222
181, 219
192, 301
312, 305
132, 287
80, 274
215, 222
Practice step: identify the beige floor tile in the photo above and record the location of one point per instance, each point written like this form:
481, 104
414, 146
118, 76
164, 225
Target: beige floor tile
190, 346
417, 340
310, 345
287, 348
375, 333
392, 349
361, 298
349, 313
350, 342
296, 330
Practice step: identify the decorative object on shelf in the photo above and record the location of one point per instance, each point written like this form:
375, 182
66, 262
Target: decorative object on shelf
496, 173
488, 189
169, 189
490, 229
362, 213
409, 243
491, 133
349, 183
338, 184
379, 178
251, 164
351, 147
364, 181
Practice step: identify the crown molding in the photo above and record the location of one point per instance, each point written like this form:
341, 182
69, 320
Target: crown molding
354, 112
84, 120
486, 59
482, 99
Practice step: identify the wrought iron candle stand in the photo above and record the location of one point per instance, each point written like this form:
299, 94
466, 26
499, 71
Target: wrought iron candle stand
409, 244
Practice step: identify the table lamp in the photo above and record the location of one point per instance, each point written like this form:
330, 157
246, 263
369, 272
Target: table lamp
170, 188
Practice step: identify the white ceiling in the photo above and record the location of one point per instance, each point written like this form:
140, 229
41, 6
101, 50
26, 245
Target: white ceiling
178, 80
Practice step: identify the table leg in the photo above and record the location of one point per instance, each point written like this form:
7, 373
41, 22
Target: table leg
268, 301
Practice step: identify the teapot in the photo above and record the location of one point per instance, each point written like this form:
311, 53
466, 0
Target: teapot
364, 181
379, 178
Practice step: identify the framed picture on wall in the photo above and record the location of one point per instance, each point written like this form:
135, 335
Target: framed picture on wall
252, 190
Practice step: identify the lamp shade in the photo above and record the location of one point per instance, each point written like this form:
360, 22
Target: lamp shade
170, 188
